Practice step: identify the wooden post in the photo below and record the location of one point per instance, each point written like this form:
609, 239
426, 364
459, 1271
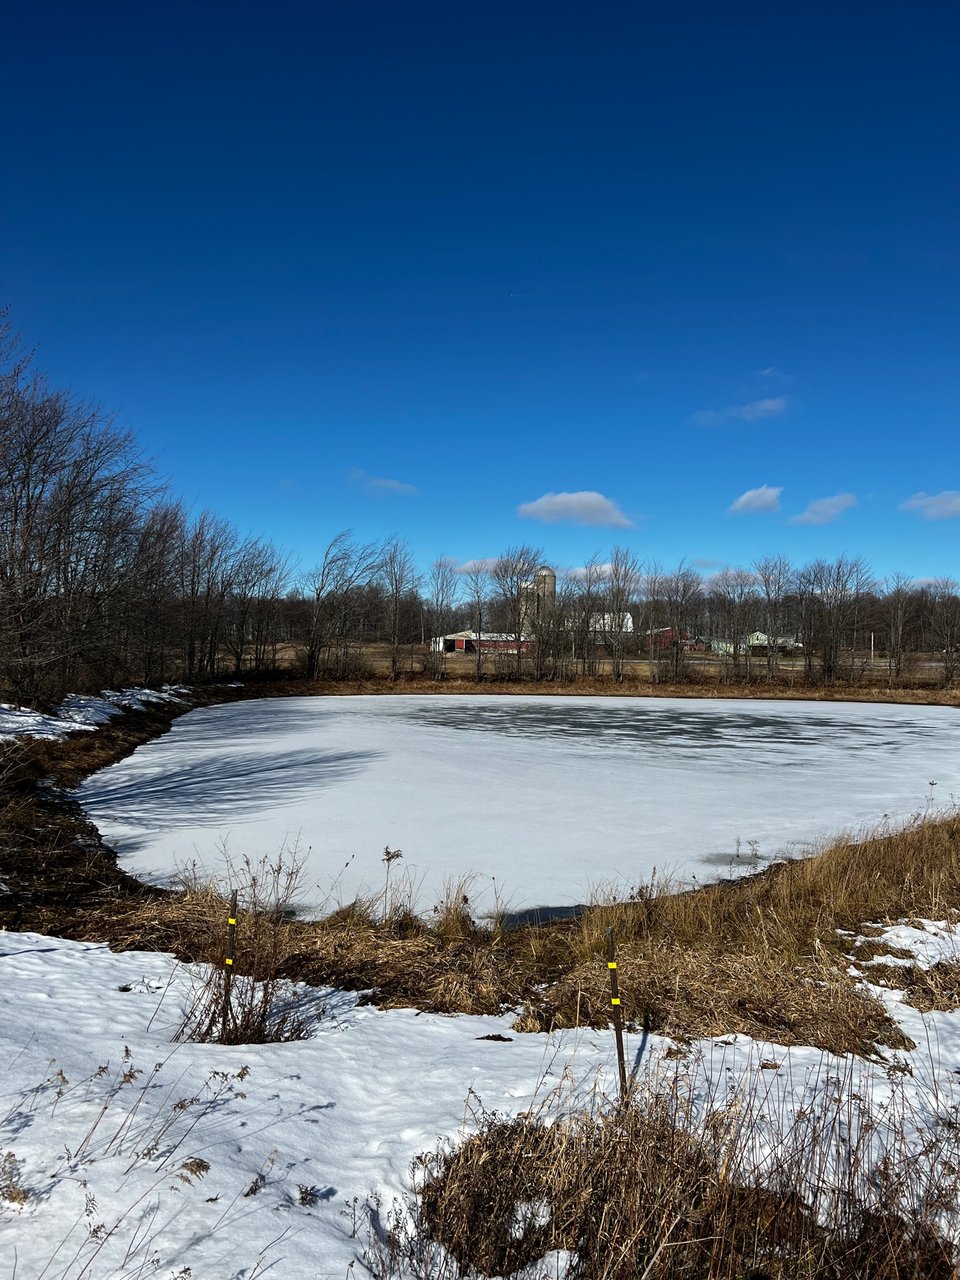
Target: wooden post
617, 1015
228, 965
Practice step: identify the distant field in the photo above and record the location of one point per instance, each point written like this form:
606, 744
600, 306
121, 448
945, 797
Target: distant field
920, 675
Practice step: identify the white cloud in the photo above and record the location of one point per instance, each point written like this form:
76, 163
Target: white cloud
825, 510
752, 411
586, 507
482, 565
601, 571
766, 498
383, 483
935, 506
757, 409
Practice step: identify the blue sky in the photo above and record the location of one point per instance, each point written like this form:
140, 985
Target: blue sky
417, 267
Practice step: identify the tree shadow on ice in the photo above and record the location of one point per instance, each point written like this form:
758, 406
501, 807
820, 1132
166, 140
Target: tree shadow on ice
260, 719
206, 792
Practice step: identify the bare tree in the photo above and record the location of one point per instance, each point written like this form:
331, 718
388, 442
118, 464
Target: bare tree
400, 578
650, 614
256, 581
944, 621
586, 588
478, 590
682, 592
72, 492
773, 576
896, 612
622, 588
151, 599
735, 604
346, 566
563, 657
206, 563
443, 587
832, 593
513, 575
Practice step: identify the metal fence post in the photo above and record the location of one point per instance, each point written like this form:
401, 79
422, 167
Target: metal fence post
228, 965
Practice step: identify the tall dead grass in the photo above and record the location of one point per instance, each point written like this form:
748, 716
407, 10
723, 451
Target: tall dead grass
762, 955
664, 1188
244, 1003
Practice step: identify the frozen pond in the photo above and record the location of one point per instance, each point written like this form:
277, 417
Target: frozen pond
540, 798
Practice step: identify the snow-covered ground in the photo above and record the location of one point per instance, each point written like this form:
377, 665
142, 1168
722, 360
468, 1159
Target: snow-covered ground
105, 1117
540, 798
124, 1155
79, 711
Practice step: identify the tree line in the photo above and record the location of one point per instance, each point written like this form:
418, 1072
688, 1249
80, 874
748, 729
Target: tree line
105, 578
823, 622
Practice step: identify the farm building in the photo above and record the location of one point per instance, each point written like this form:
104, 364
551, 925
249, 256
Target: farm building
666, 637
487, 641
539, 598
610, 624
757, 640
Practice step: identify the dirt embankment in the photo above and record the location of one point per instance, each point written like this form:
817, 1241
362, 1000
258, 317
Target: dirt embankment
54, 866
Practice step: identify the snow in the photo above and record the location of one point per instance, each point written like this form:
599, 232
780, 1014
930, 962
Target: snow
16, 722
929, 942
79, 712
341, 1115
103, 1119
539, 799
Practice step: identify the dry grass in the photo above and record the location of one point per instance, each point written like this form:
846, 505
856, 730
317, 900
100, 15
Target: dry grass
762, 955
688, 992
933, 989
245, 1003
662, 1190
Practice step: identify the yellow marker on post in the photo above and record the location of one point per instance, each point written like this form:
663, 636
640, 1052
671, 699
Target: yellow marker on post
617, 1016
228, 966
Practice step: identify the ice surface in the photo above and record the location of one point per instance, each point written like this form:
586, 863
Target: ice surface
540, 798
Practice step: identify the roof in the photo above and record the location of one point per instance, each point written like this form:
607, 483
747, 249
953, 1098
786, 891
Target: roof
484, 635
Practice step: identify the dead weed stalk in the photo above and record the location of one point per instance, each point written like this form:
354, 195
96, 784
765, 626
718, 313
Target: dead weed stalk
248, 1003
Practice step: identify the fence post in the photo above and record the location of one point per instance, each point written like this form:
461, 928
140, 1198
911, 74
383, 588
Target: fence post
228, 965
617, 1015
